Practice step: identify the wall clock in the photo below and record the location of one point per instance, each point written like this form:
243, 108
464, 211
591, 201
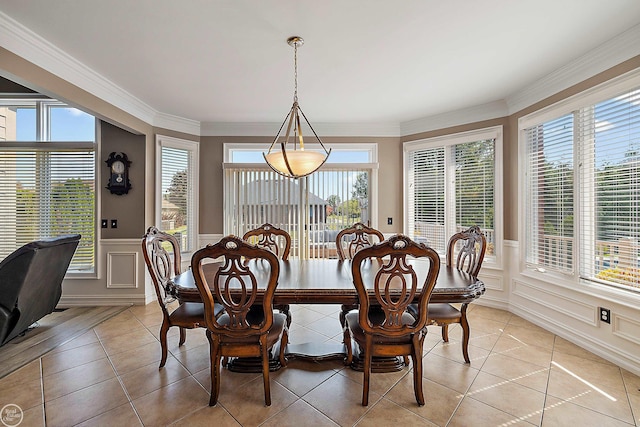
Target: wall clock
118, 165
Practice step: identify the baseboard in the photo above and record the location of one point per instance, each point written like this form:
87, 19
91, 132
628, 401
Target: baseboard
100, 300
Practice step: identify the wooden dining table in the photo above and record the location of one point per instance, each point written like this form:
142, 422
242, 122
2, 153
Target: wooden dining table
330, 281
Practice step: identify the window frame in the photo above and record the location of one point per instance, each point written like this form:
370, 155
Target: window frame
42, 107
194, 148
571, 105
372, 165
446, 141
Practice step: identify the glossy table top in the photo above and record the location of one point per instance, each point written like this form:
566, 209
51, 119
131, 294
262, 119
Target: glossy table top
330, 281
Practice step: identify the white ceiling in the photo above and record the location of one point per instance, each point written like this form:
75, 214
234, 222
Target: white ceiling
364, 61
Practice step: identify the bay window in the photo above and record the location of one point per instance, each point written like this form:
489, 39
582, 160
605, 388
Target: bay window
582, 186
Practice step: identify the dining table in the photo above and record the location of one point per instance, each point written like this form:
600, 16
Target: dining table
330, 281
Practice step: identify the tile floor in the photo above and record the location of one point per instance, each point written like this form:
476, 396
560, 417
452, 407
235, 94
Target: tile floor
520, 374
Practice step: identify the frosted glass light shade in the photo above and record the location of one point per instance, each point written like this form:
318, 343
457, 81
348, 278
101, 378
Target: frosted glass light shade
301, 162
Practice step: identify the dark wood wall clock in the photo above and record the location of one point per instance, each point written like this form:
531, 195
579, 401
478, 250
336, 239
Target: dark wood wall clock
118, 165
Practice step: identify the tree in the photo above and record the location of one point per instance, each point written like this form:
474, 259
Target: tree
361, 190
177, 193
333, 201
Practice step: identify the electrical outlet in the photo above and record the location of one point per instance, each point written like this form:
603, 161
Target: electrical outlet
105, 223
114, 223
389, 221
605, 315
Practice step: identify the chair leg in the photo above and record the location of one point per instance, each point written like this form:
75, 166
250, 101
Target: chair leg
183, 336
347, 342
265, 370
367, 370
416, 356
445, 332
283, 346
465, 333
163, 341
214, 352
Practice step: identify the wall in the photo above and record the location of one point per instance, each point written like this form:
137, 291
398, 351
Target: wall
120, 274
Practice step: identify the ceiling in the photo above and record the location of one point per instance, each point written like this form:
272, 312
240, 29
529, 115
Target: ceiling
363, 61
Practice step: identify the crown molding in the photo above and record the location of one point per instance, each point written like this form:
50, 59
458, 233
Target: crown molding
323, 129
613, 52
473, 114
178, 124
30, 46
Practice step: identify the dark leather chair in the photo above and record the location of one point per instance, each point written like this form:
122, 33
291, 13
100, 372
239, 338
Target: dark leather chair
382, 326
466, 251
352, 239
277, 241
31, 282
247, 328
163, 266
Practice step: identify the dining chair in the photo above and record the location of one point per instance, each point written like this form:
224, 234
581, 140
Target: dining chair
277, 241
349, 241
162, 255
352, 239
381, 326
466, 251
272, 238
243, 330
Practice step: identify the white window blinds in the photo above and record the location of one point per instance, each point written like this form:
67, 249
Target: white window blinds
582, 189
48, 189
549, 186
178, 194
312, 209
609, 135
451, 185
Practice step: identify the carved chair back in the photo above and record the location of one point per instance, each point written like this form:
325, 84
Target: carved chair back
394, 285
272, 238
235, 285
351, 240
161, 253
467, 248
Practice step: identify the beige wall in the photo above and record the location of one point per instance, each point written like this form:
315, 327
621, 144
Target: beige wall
211, 153
131, 210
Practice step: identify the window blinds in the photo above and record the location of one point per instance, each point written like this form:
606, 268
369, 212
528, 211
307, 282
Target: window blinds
178, 207
311, 209
549, 184
609, 135
48, 191
451, 188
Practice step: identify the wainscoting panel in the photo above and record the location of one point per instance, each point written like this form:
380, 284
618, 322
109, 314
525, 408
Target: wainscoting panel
122, 270
626, 328
568, 306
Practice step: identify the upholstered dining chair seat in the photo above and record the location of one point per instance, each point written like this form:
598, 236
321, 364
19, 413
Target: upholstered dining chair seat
443, 311
191, 313
376, 318
279, 320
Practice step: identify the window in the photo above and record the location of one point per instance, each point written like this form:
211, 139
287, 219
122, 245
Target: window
47, 176
582, 186
451, 184
177, 180
312, 209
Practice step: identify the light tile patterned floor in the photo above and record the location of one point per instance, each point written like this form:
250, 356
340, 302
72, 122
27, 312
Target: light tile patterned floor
520, 374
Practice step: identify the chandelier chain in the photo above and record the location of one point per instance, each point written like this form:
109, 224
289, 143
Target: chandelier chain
295, 73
